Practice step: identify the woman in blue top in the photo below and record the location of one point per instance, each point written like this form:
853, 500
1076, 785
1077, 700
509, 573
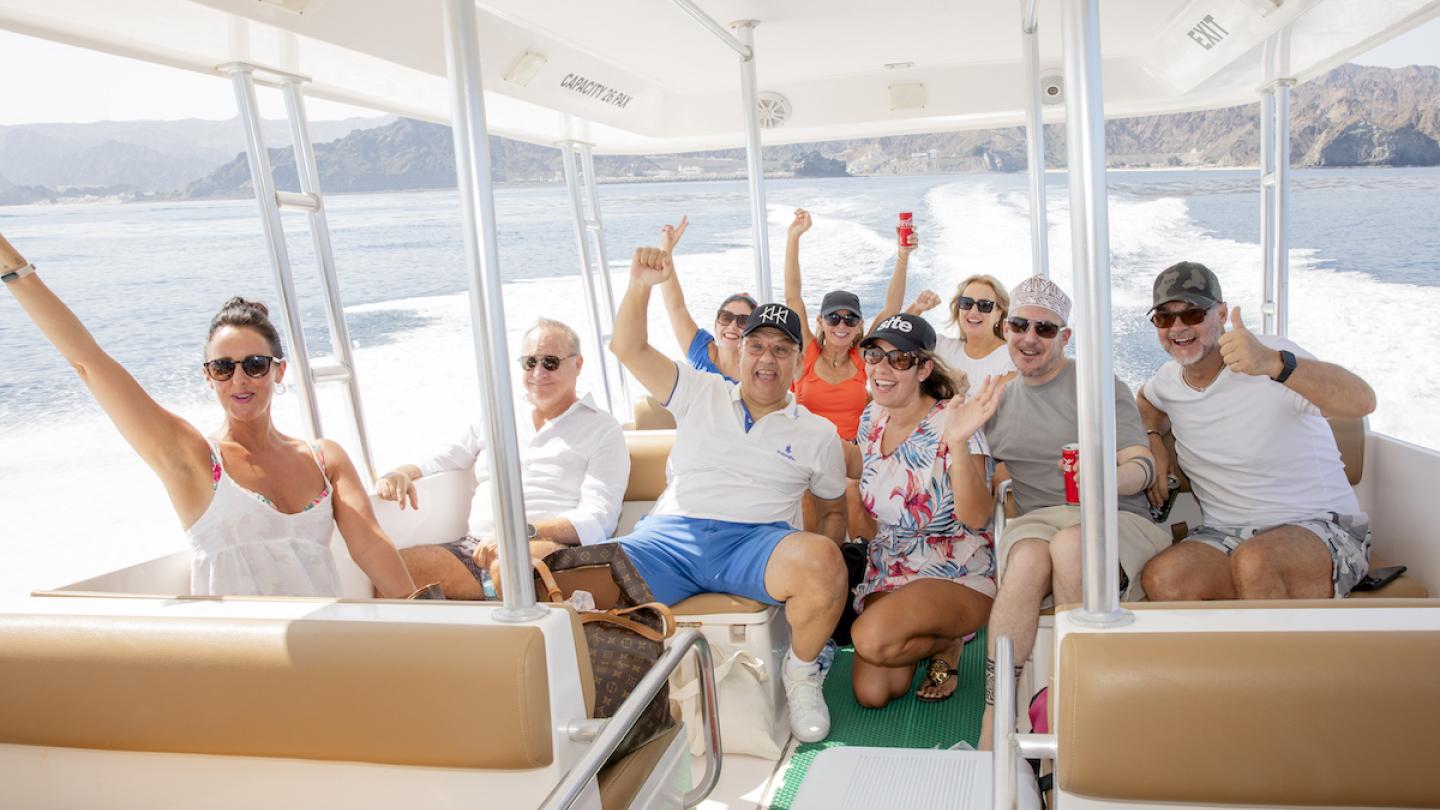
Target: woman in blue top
717, 353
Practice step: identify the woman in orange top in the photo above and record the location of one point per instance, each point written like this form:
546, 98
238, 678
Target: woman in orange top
832, 381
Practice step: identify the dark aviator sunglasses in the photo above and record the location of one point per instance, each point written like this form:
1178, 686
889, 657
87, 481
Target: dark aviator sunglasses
985, 305
1190, 317
547, 361
1043, 329
223, 368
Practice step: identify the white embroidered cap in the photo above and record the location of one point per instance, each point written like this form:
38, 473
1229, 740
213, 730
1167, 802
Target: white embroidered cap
1037, 291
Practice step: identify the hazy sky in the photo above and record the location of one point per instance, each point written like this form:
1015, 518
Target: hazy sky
46, 81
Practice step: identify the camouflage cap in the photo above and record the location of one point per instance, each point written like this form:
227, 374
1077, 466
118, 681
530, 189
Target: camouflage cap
1191, 282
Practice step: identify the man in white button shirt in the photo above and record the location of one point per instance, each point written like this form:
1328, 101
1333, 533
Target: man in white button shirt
744, 455
574, 469
1248, 412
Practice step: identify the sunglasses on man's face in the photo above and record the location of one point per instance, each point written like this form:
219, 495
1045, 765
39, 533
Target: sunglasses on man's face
898, 360
223, 368
547, 361
1190, 317
1044, 329
985, 305
725, 317
849, 318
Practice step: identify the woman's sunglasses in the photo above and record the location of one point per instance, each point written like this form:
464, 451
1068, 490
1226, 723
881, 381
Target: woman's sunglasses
1189, 317
548, 361
223, 368
850, 319
724, 317
1044, 329
985, 305
900, 361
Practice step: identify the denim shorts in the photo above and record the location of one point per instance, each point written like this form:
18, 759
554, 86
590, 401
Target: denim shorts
680, 556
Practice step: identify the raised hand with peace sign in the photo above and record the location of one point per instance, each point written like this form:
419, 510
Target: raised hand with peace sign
1243, 353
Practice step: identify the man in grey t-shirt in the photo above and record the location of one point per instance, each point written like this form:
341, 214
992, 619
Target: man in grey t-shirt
1039, 553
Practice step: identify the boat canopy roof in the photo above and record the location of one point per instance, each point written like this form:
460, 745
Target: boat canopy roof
642, 76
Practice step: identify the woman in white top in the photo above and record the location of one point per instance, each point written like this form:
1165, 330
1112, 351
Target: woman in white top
978, 309
259, 507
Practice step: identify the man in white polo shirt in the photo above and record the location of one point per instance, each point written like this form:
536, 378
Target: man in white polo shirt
744, 455
1248, 411
573, 469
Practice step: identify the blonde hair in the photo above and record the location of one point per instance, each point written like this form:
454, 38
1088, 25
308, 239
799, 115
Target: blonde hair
1002, 301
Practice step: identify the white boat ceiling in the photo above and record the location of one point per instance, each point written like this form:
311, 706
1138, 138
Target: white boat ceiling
640, 76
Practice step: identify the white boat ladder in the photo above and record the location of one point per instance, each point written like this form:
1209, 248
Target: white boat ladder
309, 371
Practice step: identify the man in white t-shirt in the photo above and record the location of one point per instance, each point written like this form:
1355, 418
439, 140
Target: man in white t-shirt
744, 455
1248, 412
573, 470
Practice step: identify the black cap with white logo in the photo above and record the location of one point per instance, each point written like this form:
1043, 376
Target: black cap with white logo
776, 316
906, 332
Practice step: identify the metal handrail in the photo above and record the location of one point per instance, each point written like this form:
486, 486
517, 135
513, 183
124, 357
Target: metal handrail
1035, 140
709, 24
1003, 725
573, 784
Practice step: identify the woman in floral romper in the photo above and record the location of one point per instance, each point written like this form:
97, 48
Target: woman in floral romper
931, 575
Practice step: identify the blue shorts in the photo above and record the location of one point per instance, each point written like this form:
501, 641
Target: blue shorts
680, 556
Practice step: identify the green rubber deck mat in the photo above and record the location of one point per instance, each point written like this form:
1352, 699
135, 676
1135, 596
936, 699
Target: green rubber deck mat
905, 723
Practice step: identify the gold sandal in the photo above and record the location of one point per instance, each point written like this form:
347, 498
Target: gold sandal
937, 674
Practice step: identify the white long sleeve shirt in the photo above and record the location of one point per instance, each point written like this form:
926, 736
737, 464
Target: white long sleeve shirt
574, 467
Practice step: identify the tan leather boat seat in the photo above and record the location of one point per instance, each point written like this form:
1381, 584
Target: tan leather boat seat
709, 604
1221, 717
649, 453
651, 415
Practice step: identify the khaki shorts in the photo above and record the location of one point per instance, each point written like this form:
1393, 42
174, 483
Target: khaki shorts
1139, 539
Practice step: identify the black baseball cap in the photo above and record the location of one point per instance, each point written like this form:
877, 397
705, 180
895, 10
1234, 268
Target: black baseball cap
906, 332
838, 301
776, 316
1191, 282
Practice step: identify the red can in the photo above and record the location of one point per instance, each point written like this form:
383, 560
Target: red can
906, 229
1070, 465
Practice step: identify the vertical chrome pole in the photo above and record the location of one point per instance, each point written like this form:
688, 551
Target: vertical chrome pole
1090, 246
1267, 205
242, 77
755, 163
309, 174
1004, 726
487, 314
1035, 140
587, 269
1280, 247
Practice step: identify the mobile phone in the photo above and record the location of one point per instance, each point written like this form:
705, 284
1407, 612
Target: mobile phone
1159, 513
1379, 578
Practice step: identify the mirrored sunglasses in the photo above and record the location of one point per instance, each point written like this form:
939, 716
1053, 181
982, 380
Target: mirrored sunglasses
1044, 329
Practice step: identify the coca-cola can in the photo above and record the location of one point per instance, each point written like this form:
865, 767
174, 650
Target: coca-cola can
906, 229
1070, 465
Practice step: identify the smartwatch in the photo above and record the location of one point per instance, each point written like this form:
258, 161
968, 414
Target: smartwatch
1287, 360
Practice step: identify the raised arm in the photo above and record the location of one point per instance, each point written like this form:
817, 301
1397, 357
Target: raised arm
923, 303
1333, 389
793, 297
631, 341
366, 541
681, 322
895, 293
172, 447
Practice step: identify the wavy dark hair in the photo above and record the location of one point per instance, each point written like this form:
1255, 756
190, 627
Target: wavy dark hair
941, 383
245, 314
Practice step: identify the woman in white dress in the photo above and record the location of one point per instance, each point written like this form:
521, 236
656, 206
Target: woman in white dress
258, 506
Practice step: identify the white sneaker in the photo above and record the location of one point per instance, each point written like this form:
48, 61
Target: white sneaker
809, 716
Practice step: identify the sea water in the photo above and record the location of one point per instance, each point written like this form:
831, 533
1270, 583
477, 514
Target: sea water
146, 278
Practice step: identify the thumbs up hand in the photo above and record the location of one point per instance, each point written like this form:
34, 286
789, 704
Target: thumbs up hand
1243, 353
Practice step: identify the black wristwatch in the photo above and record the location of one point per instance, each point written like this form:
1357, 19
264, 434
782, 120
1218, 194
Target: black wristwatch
1287, 359
530, 532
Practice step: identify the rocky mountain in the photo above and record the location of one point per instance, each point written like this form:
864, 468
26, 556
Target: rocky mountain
149, 156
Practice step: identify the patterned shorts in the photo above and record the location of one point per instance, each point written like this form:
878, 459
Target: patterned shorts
1347, 537
464, 551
